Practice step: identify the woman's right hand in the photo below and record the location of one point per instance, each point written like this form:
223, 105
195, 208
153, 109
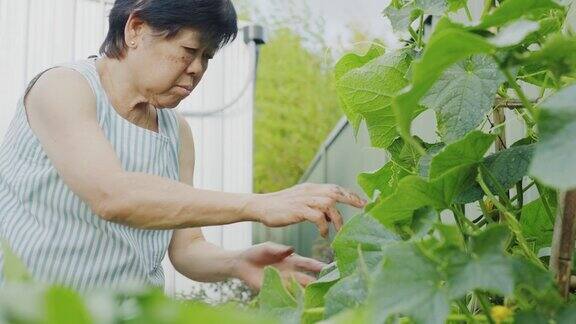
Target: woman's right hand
308, 201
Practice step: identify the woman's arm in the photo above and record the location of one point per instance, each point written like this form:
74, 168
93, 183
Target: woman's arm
61, 110
189, 252
200, 260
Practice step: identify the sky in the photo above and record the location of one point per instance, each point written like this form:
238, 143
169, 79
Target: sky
338, 15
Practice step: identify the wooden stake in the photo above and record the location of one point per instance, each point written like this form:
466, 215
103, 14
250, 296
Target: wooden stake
563, 243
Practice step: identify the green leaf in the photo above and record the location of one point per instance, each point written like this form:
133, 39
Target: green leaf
405, 155
536, 225
452, 170
349, 292
315, 292
449, 44
424, 163
366, 232
274, 299
423, 221
384, 180
413, 193
65, 306
350, 316
513, 9
463, 95
353, 61
558, 54
368, 91
408, 283
554, 155
487, 267
506, 167
451, 235
432, 7
402, 18
514, 33
14, 269
462, 154
454, 5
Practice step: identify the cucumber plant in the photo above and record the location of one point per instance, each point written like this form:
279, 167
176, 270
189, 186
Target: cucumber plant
470, 226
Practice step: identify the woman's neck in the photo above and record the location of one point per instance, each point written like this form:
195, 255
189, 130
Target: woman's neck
123, 95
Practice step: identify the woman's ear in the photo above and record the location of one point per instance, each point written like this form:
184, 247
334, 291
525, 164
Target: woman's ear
134, 30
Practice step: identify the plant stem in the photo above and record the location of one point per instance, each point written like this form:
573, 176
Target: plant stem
512, 223
520, 194
315, 311
524, 189
465, 310
421, 31
413, 34
545, 203
521, 95
458, 212
485, 304
468, 14
487, 6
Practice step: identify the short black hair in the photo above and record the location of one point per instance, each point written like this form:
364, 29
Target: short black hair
216, 20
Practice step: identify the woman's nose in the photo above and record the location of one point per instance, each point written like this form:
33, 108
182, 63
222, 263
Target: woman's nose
196, 67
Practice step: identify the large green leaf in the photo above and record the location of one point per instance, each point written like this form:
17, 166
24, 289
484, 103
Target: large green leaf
315, 292
366, 233
384, 180
513, 9
432, 7
452, 170
485, 266
558, 54
368, 91
449, 44
420, 280
353, 61
505, 167
554, 157
462, 154
536, 224
65, 306
275, 300
463, 95
413, 193
514, 33
401, 18
408, 283
349, 292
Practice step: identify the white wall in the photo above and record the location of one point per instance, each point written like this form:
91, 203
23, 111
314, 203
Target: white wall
37, 34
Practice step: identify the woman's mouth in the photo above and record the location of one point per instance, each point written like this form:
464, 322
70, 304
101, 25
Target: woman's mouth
185, 90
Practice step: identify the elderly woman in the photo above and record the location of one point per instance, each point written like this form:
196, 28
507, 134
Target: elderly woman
96, 168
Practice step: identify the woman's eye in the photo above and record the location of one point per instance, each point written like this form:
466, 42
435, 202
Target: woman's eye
190, 50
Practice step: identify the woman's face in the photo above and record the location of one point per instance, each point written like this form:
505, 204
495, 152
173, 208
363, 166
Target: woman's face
167, 70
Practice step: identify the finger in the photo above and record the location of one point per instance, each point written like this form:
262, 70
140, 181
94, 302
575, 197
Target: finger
317, 217
303, 278
336, 218
278, 251
307, 264
327, 206
343, 195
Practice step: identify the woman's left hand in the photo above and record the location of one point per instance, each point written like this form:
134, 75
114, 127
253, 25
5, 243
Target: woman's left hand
250, 264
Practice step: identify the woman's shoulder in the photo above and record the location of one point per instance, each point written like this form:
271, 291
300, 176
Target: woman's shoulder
62, 79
